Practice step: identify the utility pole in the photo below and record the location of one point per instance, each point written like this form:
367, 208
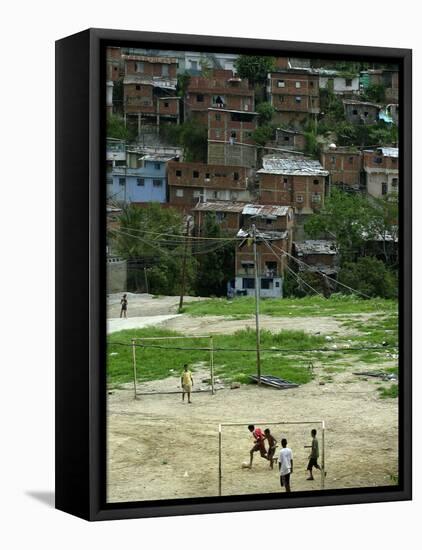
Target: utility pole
185, 253
258, 336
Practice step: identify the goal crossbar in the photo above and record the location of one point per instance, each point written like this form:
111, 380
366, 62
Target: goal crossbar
149, 338
255, 423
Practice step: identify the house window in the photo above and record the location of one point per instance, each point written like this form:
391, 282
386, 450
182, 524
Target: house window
316, 182
266, 284
395, 182
298, 85
233, 196
236, 176
311, 84
333, 160
139, 67
196, 194
377, 160
268, 221
157, 165
316, 197
365, 114
195, 174
199, 98
157, 183
217, 133
165, 70
207, 176
217, 116
220, 216
248, 283
350, 160
384, 188
233, 134
286, 138
137, 87
194, 65
166, 104
179, 192
354, 111
140, 182
281, 98
348, 82
299, 198
298, 99
281, 84
122, 181
178, 173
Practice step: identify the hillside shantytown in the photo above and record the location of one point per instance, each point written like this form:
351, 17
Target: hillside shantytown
303, 152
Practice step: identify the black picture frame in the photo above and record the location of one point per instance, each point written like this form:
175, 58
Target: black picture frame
80, 276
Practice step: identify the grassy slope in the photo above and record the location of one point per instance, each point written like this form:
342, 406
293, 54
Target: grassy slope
296, 307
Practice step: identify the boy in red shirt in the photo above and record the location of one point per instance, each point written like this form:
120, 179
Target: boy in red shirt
259, 444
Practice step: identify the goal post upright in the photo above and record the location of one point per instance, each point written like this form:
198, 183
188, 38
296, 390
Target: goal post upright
210, 348
283, 423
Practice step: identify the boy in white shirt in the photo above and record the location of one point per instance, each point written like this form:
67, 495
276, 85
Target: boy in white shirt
285, 465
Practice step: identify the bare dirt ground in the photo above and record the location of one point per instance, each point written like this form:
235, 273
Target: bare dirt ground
159, 447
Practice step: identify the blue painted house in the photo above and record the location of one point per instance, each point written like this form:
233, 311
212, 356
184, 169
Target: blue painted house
146, 182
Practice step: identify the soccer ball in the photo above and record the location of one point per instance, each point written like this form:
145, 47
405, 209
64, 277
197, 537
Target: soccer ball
245, 465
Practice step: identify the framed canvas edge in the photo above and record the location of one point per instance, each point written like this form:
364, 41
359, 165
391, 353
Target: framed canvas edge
98, 510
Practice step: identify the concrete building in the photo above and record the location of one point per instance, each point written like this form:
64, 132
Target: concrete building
221, 89
381, 167
299, 183
361, 112
230, 137
319, 256
345, 167
271, 264
294, 94
346, 86
193, 182
150, 90
141, 183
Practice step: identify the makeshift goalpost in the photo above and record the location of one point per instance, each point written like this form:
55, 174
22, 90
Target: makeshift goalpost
137, 342
226, 424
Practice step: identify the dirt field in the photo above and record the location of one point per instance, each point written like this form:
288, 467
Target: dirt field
160, 447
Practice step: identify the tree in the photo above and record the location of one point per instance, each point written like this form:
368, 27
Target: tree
182, 84
191, 136
152, 238
383, 227
215, 262
266, 112
118, 96
374, 92
369, 276
345, 218
254, 67
116, 128
263, 134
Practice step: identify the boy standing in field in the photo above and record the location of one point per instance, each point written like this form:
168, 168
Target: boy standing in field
123, 304
272, 445
259, 444
313, 457
285, 465
186, 381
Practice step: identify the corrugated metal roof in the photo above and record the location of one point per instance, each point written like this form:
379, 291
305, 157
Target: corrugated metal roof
268, 235
292, 167
267, 210
223, 206
304, 248
389, 151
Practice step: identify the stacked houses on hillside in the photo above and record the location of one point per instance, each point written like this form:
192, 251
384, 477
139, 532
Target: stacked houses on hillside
240, 184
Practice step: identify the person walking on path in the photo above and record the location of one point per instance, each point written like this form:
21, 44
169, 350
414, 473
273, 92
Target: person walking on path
313, 457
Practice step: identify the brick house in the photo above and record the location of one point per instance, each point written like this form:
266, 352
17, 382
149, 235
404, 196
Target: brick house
230, 137
381, 168
149, 95
388, 78
193, 182
318, 255
345, 167
228, 214
290, 139
299, 183
222, 90
361, 112
294, 94
272, 262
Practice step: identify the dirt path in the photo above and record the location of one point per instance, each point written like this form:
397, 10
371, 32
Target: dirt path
146, 305
160, 447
